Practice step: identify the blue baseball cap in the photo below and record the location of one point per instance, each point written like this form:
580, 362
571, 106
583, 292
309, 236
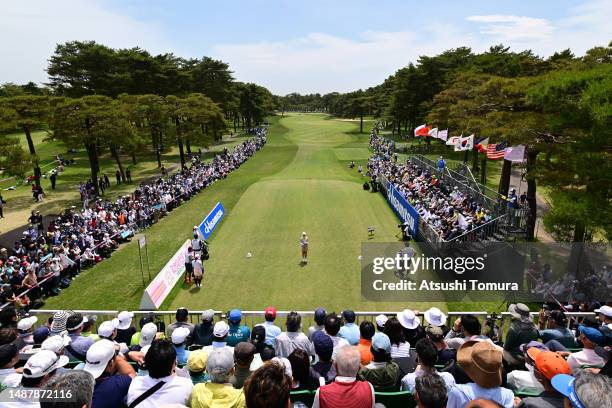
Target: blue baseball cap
235, 315
381, 341
565, 385
320, 314
323, 344
592, 334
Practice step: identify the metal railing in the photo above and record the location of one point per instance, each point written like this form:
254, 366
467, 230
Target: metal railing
492, 230
252, 318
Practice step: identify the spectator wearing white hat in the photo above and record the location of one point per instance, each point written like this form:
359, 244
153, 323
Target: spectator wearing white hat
220, 367
605, 316
413, 331
435, 317
160, 387
37, 371
219, 341
147, 335
25, 327
179, 337
381, 319
108, 330
125, 331
112, 373
77, 349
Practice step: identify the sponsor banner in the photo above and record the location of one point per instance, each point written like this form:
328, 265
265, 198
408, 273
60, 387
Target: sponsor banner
552, 273
159, 288
211, 221
403, 209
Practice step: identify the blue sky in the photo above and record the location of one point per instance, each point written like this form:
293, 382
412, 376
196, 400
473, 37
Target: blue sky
307, 46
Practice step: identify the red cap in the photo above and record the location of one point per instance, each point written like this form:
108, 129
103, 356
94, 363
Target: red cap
271, 311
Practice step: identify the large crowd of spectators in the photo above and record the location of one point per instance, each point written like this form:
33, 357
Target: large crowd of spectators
447, 210
45, 259
221, 362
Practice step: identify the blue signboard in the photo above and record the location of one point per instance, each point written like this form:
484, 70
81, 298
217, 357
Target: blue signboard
211, 221
403, 209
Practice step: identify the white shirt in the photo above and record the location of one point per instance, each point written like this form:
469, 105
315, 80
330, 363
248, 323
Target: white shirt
176, 390
584, 357
409, 380
524, 381
339, 342
401, 350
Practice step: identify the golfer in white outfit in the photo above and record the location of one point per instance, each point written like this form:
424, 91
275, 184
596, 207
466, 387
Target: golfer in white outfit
304, 247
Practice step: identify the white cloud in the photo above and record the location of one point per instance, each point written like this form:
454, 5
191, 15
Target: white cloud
321, 62
509, 28
31, 29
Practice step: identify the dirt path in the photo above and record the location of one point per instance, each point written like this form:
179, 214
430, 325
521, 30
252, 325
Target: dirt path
543, 206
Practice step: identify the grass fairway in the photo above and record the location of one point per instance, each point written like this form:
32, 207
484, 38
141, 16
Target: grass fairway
299, 182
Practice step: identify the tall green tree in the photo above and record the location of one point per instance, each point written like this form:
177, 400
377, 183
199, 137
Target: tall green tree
26, 113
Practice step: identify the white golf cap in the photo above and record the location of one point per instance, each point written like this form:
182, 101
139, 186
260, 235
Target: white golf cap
27, 323
147, 334
435, 317
221, 329
125, 320
55, 343
381, 319
605, 310
107, 328
42, 363
408, 319
179, 335
98, 356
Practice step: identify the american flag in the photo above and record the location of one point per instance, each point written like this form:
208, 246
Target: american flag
495, 151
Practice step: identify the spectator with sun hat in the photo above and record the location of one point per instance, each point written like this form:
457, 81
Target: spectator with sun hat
37, 371
413, 331
435, 317
482, 362
584, 389
196, 366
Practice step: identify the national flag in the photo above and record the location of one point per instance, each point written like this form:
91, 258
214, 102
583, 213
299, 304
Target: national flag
495, 151
433, 132
443, 135
515, 153
422, 130
465, 143
453, 140
482, 145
